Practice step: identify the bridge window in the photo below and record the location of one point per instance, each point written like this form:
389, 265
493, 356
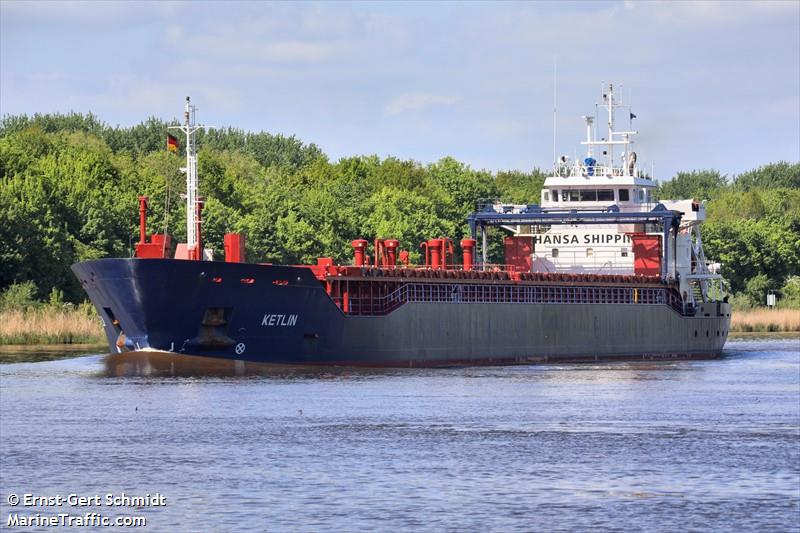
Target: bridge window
570, 196
554, 252
589, 252
605, 195
623, 252
585, 195
546, 196
623, 195
555, 195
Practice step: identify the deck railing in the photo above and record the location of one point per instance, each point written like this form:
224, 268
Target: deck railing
512, 294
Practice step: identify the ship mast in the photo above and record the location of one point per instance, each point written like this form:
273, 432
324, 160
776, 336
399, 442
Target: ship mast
193, 202
623, 138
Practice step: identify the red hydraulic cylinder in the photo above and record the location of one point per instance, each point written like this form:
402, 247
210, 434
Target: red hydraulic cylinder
435, 247
359, 247
143, 219
391, 246
380, 253
468, 246
447, 247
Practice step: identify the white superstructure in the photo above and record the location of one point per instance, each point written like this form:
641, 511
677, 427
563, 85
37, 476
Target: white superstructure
609, 177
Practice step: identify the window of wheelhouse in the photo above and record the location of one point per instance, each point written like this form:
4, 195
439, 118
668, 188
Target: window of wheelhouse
570, 196
555, 195
623, 195
605, 195
586, 195
545, 196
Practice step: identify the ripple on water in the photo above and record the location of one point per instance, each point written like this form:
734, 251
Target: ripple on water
673, 446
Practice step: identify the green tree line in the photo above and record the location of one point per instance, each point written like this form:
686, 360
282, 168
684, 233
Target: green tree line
752, 229
69, 185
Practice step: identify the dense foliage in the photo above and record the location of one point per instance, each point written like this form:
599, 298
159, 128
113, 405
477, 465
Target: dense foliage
753, 227
69, 185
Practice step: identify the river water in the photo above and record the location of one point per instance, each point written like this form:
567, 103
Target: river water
635, 446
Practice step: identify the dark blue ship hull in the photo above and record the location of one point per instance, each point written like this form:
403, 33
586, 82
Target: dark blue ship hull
282, 315
258, 312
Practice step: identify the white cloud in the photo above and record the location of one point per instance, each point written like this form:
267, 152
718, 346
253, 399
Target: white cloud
131, 97
289, 51
417, 101
82, 15
704, 12
174, 34
502, 127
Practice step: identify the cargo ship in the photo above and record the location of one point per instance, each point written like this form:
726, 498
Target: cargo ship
596, 270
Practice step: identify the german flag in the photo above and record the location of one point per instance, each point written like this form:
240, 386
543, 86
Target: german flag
172, 143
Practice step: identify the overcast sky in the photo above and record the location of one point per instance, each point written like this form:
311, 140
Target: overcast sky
714, 85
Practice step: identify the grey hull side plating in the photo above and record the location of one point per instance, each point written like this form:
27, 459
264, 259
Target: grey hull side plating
160, 305
507, 333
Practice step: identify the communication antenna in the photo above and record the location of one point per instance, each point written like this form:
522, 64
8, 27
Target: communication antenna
555, 107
